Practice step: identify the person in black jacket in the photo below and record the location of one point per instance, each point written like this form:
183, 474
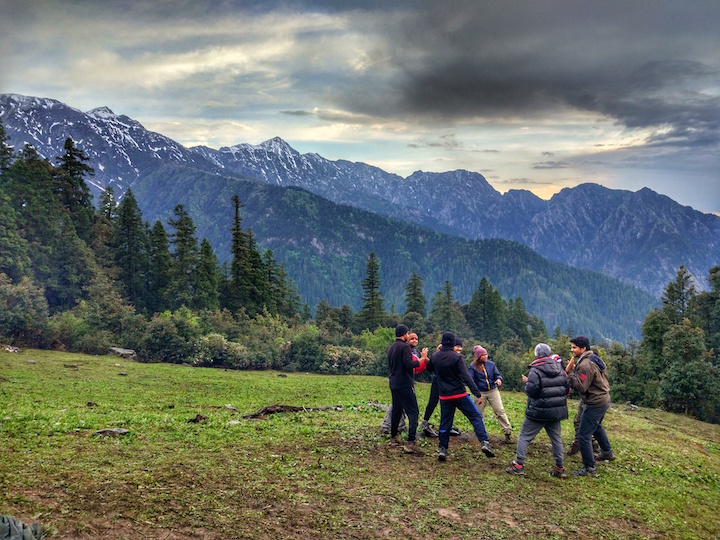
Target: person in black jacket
452, 377
547, 388
402, 388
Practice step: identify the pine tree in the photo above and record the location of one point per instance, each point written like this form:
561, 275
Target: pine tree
6, 152
415, 301
441, 317
239, 280
206, 279
184, 259
372, 315
159, 269
103, 240
72, 189
130, 246
678, 295
486, 314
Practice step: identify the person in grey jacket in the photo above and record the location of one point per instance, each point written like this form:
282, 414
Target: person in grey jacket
547, 388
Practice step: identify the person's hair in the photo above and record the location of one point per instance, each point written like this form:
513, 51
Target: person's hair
581, 341
412, 335
401, 330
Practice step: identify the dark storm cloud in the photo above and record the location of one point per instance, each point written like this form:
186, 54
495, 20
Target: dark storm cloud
644, 64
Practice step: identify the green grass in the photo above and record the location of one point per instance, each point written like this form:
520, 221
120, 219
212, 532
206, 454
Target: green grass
315, 474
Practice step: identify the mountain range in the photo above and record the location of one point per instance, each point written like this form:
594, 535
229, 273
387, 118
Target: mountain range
353, 208
639, 237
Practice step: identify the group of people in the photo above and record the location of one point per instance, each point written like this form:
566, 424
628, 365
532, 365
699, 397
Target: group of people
547, 386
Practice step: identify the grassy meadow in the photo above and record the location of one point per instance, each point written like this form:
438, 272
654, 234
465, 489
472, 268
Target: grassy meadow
316, 474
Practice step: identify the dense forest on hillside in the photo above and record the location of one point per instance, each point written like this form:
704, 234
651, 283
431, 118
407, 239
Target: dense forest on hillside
324, 246
78, 277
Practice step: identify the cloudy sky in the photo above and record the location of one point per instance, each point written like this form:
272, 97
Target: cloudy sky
537, 94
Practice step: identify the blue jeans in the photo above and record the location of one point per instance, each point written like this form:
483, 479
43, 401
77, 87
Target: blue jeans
447, 415
591, 426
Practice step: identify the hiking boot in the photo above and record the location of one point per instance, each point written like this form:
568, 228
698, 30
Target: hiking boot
485, 447
605, 456
442, 454
508, 439
385, 430
395, 441
427, 431
455, 431
574, 449
586, 471
411, 447
516, 468
558, 472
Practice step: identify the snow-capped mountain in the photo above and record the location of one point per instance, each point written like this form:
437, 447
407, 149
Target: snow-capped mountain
120, 149
641, 238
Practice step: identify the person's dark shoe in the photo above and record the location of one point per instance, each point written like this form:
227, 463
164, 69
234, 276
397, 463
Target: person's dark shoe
574, 449
455, 431
558, 472
385, 430
516, 468
586, 471
605, 456
485, 447
411, 447
395, 441
427, 430
508, 439
442, 453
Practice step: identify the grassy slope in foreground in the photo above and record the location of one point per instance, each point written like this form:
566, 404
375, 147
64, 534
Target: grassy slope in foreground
315, 474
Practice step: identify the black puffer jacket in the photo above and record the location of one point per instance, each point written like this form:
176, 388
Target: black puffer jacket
547, 389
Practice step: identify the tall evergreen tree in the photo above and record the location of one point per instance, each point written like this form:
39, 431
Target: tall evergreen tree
72, 189
239, 280
103, 240
59, 261
184, 257
706, 310
415, 301
206, 279
441, 317
372, 315
518, 321
130, 246
677, 296
159, 269
486, 313
14, 258
6, 152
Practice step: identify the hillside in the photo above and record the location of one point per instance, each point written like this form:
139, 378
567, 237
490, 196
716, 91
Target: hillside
641, 238
325, 246
192, 466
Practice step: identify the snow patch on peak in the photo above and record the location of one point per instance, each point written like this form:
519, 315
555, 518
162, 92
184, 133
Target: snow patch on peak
101, 112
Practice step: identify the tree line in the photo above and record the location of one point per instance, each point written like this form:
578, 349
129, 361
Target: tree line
83, 278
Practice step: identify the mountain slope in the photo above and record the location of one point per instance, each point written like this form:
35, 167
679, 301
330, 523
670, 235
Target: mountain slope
325, 246
641, 238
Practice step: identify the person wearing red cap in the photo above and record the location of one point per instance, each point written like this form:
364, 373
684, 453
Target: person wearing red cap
486, 376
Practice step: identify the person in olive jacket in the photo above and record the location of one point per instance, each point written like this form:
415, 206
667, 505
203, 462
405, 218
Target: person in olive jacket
547, 388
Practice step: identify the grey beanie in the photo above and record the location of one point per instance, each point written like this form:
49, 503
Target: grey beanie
542, 350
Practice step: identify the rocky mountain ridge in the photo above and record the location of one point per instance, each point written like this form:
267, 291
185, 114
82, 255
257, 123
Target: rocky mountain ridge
639, 237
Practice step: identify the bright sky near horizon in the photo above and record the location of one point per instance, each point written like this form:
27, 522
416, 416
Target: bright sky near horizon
536, 95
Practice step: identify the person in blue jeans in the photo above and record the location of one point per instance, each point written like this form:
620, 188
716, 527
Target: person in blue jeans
452, 377
588, 375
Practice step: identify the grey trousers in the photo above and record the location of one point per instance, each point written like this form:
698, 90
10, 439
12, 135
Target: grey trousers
530, 429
